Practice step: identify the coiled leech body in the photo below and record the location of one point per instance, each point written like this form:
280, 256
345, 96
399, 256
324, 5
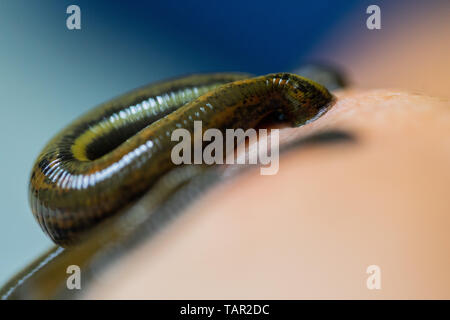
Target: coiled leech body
116, 152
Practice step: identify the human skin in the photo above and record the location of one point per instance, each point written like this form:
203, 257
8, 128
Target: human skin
311, 230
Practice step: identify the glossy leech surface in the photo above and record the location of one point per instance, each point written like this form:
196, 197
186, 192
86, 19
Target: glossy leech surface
116, 152
45, 277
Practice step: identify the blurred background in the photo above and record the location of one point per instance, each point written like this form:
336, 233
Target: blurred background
49, 75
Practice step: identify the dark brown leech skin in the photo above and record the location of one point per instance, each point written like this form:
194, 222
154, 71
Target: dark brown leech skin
101, 130
75, 184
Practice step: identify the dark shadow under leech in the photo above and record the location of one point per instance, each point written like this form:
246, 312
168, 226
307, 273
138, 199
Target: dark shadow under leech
321, 138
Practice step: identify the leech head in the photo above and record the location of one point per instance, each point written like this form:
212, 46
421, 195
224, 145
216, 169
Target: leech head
309, 99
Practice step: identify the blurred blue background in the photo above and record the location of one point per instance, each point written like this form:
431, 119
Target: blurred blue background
49, 75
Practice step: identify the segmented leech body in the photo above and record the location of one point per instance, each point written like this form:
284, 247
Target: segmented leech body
113, 154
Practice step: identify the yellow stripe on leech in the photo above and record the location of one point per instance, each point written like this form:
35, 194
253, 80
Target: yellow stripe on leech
100, 129
80, 144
